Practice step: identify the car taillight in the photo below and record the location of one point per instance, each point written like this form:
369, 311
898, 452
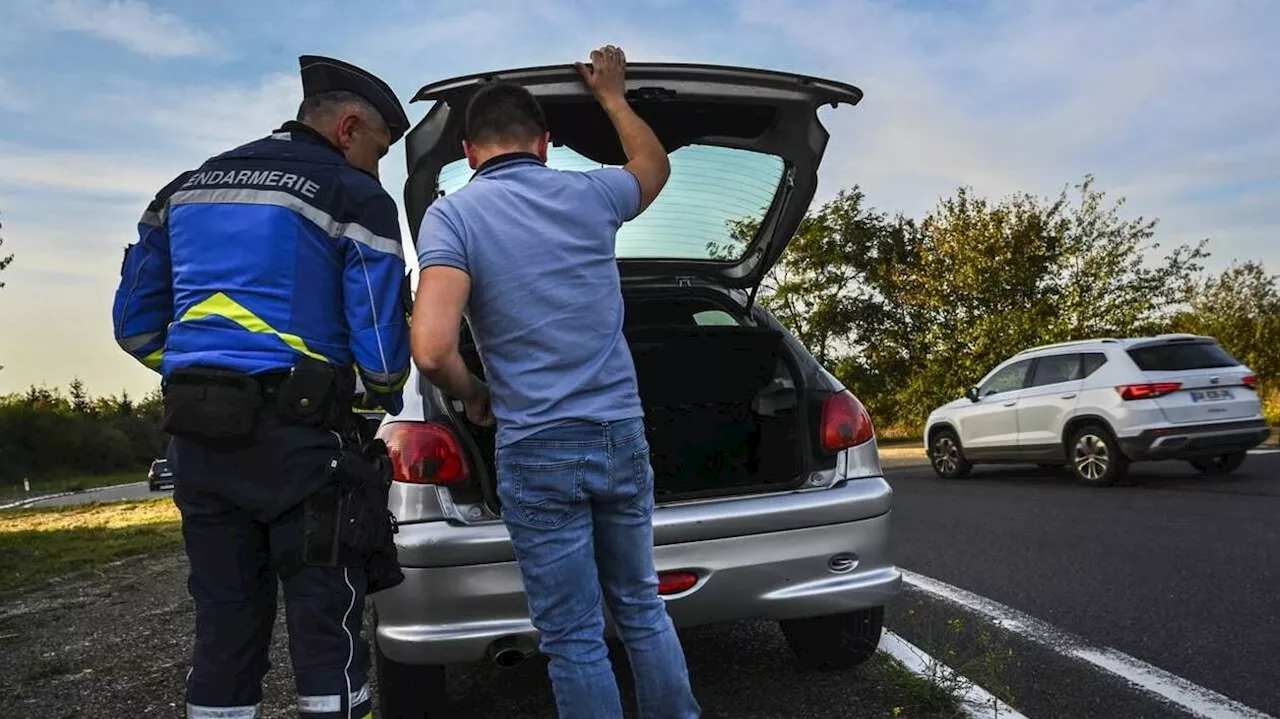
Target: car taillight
676, 582
424, 453
1250, 381
1147, 391
845, 422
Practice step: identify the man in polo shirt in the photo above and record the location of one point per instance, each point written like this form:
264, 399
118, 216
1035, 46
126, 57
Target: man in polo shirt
528, 252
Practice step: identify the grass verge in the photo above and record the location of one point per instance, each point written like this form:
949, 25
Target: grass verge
40, 544
913, 695
894, 435
965, 653
70, 484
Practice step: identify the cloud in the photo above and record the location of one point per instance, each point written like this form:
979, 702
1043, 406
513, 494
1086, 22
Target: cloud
216, 118
87, 173
1165, 103
134, 24
12, 99
1160, 102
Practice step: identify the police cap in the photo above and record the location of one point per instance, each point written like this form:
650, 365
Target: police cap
325, 74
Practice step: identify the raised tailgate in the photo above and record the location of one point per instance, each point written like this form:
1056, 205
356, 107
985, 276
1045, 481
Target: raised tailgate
1212, 386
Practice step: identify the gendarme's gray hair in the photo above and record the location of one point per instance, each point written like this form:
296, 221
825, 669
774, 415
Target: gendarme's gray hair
325, 105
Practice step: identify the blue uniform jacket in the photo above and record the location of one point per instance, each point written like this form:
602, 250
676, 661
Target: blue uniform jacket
276, 249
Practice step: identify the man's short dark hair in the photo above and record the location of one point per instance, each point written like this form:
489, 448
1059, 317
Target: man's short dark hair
504, 113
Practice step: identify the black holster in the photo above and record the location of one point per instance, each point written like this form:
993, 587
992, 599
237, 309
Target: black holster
347, 522
214, 407
315, 394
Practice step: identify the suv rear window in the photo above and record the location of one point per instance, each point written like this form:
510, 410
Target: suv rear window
1177, 356
713, 191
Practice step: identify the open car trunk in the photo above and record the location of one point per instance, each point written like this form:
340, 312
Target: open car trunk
722, 407
745, 146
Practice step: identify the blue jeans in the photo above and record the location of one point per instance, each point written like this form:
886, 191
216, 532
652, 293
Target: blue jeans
578, 503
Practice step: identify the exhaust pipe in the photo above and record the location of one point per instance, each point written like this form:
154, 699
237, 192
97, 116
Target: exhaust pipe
510, 651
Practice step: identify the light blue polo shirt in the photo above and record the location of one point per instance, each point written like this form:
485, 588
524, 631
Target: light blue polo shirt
546, 300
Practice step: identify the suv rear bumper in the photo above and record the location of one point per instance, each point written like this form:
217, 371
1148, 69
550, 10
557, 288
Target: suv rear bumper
444, 615
1195, 440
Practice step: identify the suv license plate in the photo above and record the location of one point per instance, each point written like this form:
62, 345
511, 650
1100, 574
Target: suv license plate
1210, 395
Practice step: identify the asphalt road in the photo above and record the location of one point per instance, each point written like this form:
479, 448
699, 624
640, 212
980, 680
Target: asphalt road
137, 490
1177, 570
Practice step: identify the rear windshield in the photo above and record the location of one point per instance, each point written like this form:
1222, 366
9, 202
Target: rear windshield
1174, 357
712, 190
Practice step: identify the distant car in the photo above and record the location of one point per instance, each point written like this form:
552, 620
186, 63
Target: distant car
1098, 405
160, 476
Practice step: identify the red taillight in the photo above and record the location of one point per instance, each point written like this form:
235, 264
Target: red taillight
1250, 381
676, 582
424, 453
1148, 391
845, 422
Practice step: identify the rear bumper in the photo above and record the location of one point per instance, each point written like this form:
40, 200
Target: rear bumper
443, 615
1195, 440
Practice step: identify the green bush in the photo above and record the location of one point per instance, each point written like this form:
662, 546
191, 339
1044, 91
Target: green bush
45, 434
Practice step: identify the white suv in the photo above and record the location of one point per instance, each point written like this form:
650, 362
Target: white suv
1098, 405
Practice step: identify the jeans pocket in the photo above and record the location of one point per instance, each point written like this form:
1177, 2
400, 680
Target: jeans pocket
546, 492
642, 472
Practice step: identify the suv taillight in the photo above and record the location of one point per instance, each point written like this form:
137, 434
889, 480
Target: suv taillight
424, 453
845, 422
1147, 391
1250, 381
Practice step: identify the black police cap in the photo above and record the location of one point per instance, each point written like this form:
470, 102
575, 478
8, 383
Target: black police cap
325, 74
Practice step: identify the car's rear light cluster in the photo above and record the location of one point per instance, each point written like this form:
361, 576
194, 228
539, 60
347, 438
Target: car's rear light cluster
1147, 391
425, 453
845, 423
1250, 381
676, 582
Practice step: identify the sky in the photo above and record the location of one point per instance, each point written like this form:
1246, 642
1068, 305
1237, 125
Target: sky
1170, 104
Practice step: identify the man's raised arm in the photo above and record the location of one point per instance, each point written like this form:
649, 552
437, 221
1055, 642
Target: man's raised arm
646, 157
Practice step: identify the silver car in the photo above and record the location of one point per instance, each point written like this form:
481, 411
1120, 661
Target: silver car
771, 502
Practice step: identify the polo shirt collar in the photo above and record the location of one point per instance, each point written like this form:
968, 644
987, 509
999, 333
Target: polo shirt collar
504, 160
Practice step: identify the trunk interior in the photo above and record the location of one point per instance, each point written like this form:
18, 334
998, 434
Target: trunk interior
722, 407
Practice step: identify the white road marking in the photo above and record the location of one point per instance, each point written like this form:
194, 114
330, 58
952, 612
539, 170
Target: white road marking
48, 497
977, 702
1264, 451
1190, 697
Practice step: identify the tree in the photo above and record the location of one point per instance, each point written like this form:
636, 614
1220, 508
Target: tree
830, 287
80, 401
1241, 308
909, 313
124, 404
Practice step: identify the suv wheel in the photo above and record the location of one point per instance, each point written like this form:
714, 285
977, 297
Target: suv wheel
1220, 464
1096, 459
947, 457
410, 690
838, 641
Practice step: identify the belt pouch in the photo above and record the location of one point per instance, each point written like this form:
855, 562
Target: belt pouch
308, 396
211, 405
